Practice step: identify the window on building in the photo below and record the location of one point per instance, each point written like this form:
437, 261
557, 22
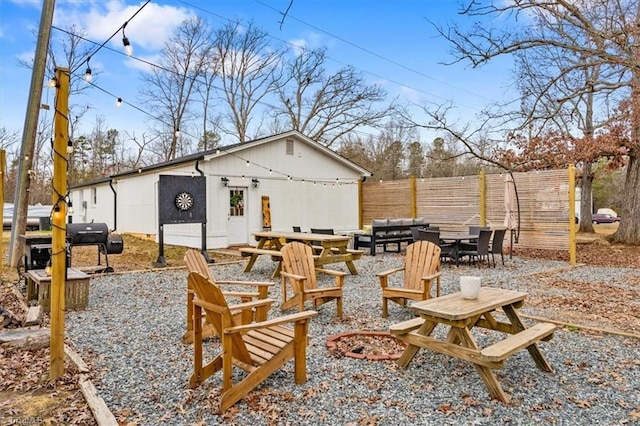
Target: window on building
94, 195
289, 146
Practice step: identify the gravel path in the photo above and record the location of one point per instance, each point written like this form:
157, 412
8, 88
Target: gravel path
132, 329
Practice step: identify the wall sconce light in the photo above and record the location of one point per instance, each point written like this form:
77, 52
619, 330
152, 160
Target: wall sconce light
255, 182
224, 180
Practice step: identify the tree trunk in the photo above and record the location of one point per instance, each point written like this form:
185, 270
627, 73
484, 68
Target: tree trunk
629, 230
586, 191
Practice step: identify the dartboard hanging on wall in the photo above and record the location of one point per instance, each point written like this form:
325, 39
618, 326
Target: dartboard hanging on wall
182, 199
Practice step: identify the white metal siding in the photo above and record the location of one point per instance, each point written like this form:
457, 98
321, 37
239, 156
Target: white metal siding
324, 205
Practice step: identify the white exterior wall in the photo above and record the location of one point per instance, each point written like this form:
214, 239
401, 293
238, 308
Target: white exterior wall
292, 202
99, 205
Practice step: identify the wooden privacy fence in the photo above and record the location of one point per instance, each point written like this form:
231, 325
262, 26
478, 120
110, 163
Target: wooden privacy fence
454, 203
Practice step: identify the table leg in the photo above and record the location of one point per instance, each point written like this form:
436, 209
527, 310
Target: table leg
490, 380
352, 267
411, 350
254, 256
534, 351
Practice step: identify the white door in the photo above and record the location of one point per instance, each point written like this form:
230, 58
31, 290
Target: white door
237, 226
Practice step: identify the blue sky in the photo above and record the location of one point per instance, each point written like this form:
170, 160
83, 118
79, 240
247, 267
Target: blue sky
390, 42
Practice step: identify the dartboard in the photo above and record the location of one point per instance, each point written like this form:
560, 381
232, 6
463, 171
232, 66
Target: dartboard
184, 201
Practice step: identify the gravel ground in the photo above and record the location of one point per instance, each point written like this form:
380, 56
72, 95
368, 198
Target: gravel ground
132, 329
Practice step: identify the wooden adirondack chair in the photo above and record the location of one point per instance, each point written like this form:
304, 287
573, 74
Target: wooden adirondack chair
197, 263
421, 268
258, 348
299, 270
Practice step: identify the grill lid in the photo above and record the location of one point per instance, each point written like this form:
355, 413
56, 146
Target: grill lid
87, 233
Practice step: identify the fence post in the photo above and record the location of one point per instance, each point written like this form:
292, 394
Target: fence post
483, 199
572, 215
414, 196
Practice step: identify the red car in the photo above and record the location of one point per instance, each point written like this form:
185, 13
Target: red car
604, 218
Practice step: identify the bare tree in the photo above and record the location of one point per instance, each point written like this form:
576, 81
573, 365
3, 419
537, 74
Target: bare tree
603, 34
209, 138
325, 106
168, 88
248, 71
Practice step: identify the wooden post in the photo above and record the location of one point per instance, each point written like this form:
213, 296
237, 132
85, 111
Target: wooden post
414, 197
58, 222
483, 199
572, 215
360, 207
3, 170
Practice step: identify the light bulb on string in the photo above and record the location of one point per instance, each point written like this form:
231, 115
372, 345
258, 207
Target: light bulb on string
119, 103
69, 146
248, 163
125, 42
177, 133
53, 82
87, 73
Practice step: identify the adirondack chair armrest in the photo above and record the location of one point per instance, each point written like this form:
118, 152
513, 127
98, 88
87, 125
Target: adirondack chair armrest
285, 319
292, 276
246, 305
331, 272
389, 272
247, 283
432, 276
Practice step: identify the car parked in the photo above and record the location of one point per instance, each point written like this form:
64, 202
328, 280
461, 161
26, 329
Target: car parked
604, 218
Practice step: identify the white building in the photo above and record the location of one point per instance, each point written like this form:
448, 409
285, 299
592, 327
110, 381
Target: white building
307, 185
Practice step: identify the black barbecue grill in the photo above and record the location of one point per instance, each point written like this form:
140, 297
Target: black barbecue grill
90, 234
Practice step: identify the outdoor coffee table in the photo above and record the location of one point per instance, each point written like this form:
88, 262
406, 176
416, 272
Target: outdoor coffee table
461, 315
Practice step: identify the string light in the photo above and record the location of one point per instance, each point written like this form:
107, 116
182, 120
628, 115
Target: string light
177, 133
87, 73
53, 82
125, 41
70, 205
248, 163
119, 103
69, 146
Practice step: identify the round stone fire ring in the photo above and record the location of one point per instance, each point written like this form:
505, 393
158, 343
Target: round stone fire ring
366, 344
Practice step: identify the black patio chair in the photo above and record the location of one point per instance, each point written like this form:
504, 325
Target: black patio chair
477, 252
447, 250
496, 245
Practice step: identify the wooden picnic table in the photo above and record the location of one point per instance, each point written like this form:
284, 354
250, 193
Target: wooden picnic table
333, 249
461, 315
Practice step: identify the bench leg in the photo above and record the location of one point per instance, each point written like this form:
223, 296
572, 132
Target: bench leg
407, 356
534, 351
488, 377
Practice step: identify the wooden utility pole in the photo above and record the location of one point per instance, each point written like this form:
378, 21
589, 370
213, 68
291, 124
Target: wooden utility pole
3, 174
25, 161
58, 222
572, 215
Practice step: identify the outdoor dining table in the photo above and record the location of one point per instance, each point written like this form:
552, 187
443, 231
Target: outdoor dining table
334, 248
457, 239
460, 316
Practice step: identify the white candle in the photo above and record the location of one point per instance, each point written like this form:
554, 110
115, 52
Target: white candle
470, 287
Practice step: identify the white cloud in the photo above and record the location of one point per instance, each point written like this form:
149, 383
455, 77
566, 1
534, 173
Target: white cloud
142, 66
410, 94
298, 45
149, 29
